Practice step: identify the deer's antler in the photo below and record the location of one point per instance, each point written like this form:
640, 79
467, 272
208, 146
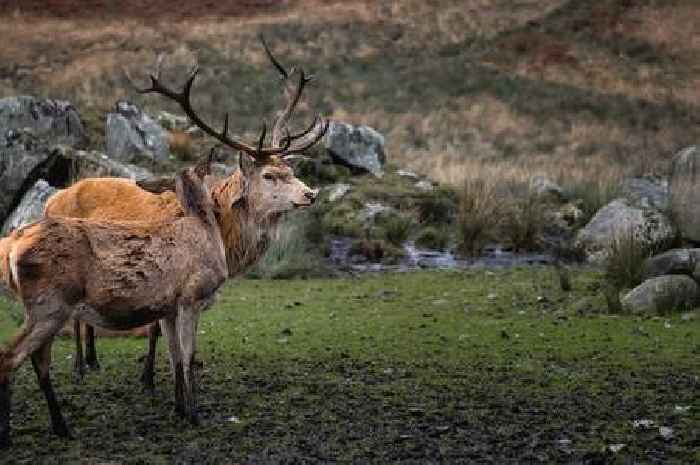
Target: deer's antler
283, 144
308, 137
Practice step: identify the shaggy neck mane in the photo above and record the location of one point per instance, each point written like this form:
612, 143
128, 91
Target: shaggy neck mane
246, 236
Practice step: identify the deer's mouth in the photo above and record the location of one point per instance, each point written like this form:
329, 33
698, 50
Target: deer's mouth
302, 204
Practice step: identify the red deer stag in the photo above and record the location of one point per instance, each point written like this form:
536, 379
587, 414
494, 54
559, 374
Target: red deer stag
121, 275
246, 226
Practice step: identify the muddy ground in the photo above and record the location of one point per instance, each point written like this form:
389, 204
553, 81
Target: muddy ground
442, 367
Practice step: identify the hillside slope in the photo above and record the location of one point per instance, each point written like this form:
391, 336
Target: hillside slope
460, 87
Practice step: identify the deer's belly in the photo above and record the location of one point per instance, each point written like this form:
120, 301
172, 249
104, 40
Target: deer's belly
118, 316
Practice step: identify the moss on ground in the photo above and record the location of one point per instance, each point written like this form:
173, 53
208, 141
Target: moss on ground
474, 366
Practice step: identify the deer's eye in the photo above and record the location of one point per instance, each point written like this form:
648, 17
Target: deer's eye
268, 177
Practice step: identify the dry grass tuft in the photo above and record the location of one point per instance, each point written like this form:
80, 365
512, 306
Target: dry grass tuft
479, 213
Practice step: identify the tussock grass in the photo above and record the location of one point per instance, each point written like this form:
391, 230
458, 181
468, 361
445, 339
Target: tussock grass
292, 253
524, 219
479, 213
625, 259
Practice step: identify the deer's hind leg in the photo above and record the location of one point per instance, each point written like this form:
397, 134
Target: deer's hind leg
42, 322
41, 360
79, 363
150, 359
90, 350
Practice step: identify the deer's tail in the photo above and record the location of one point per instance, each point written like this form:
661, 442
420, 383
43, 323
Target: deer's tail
8, 265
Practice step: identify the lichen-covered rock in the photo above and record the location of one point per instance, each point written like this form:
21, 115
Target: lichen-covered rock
131, 136
359, 147
685, 192
646, 192
661, 295
675, 261
94, 164
545, 188
57, 120
695, 254
22, 156
650, 226
30, 208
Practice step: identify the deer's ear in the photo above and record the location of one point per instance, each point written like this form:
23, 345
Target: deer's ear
247, 165
203, 166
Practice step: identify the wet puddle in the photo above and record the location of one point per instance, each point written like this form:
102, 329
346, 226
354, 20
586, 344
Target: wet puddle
494, 256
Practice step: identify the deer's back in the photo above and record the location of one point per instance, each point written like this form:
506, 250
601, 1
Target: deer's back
112, 199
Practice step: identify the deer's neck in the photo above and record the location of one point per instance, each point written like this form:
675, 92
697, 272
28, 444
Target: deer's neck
245, 236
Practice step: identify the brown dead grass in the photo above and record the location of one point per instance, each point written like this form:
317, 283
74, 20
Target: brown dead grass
560, 66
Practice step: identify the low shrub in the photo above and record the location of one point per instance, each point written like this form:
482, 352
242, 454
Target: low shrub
394, 227
437, 207
432, 237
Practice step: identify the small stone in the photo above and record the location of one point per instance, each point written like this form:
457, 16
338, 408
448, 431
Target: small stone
408, 174
666, 432
615, 448
425, 186
643, 424
681, 408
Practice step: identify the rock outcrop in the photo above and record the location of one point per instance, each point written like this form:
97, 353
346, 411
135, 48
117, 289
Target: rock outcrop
131, 136
30, 208
685, 192
659, 296
359, 147
649, 225
57, 120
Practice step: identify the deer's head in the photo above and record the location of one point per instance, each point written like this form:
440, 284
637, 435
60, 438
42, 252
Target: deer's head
265, 182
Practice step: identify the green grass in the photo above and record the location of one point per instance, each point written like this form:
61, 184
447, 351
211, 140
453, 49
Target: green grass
495, 366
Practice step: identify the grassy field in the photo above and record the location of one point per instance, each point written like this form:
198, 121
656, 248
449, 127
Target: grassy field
432, 367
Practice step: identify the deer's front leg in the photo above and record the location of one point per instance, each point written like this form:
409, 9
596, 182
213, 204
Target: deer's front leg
169, 327
149, 363
188, 319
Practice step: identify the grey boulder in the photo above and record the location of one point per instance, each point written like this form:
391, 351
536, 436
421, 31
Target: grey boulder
359, 147
650, 226
661, 295
22, 157
131, 136
685, 192
675, 261
646, 192
30, 208
57, 120
94, 164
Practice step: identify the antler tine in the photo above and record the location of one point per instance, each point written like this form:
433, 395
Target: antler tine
308, 138
283, 118
263, 133
285, 74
